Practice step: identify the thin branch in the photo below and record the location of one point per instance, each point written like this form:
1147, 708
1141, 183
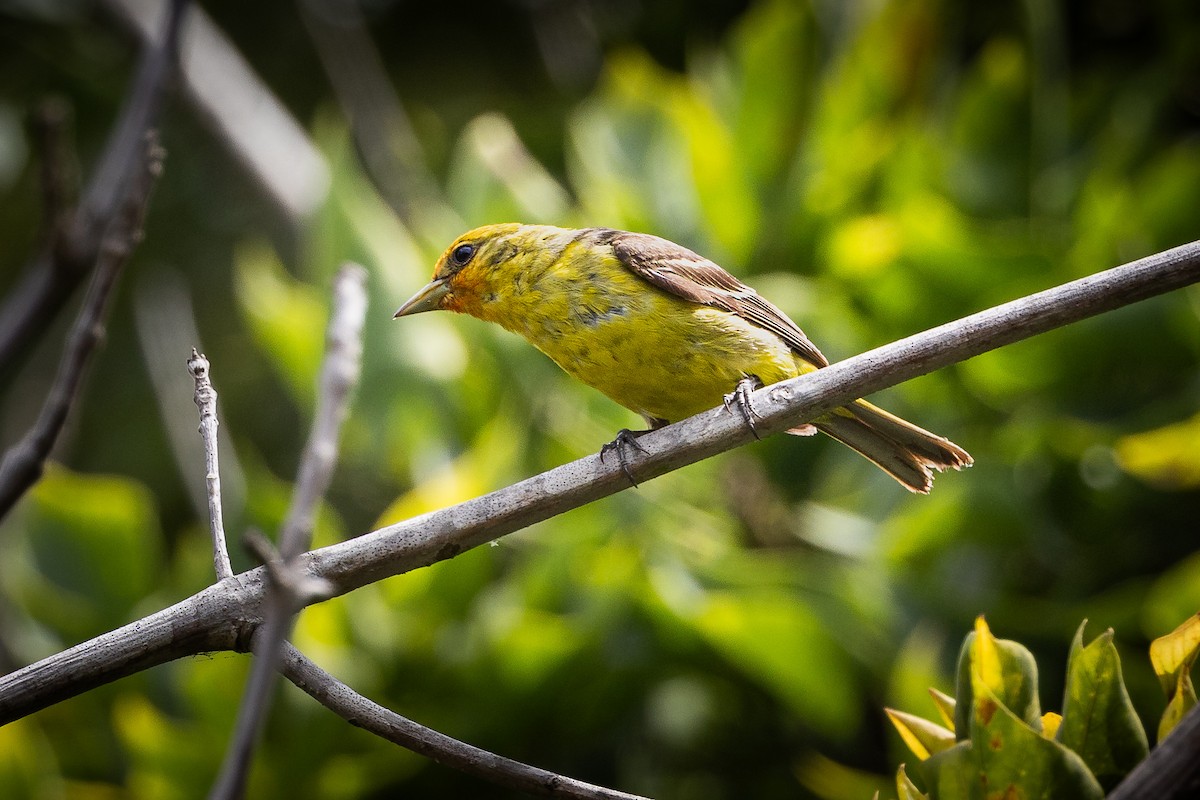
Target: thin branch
370, 716
58, 178
206, 402
291, 587
24, 462
222, 616
52, 276
1171, 771
384, 138
339, 375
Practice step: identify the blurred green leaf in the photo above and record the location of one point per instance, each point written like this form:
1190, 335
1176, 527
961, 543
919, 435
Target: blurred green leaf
1099, 722
27, 762
1167, 457
286, 317
780, 642
97, 548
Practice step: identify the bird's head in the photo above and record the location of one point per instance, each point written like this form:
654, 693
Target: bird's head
464, 272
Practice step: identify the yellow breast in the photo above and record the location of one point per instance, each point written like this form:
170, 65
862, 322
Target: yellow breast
654, 353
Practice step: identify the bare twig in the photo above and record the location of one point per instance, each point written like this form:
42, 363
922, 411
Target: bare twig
52, 276
23, 462
368, 715
384, 137
239, 108
206, 401
291, 586
1171, 771
58, 169
224, 616
339, 374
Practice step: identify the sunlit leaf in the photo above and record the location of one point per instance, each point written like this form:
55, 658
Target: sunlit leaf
1008, 670
1167, 457
906, 789
287, 318
780, 643
945, 706
922, 736
1172, 657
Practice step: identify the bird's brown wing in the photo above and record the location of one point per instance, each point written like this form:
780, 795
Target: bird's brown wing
685, 274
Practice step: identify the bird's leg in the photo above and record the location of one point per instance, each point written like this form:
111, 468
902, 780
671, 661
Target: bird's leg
740, 396
627, 438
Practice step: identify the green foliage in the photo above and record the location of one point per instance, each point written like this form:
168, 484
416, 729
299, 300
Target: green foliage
1098, 719
1000, 747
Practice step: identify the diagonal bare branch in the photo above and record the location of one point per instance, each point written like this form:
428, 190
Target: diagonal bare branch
369, 715
53, 275
23, 462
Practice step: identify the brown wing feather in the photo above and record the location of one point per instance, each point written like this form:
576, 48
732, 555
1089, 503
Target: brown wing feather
686, 274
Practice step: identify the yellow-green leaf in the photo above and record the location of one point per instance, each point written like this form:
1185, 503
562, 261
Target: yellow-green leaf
1005, 758
1008, 670
906, 789
922, 736
1176, 652
1165, 457
945, 706
1173, 656
1099, 722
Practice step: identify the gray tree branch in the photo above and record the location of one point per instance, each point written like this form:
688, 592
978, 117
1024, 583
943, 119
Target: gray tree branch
24, 462
53, 275
206, 402
370, 716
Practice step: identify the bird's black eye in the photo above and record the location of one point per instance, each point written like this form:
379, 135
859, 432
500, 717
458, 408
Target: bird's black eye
462, 254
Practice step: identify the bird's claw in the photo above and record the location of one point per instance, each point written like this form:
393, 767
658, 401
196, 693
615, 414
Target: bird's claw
740, 397
625, 438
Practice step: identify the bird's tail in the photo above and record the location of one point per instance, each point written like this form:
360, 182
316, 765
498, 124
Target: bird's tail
899, 448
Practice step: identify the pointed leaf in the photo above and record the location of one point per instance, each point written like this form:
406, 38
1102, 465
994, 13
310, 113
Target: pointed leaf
922, 736
1182, 701
945, 706
906, 789
1006, 668
1099, 722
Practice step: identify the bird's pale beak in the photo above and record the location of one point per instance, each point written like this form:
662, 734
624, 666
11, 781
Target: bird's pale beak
428, 299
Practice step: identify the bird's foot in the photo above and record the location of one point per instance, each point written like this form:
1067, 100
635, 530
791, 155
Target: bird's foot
625, 438
740, 397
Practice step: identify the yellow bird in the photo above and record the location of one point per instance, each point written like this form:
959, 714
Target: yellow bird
659, 329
